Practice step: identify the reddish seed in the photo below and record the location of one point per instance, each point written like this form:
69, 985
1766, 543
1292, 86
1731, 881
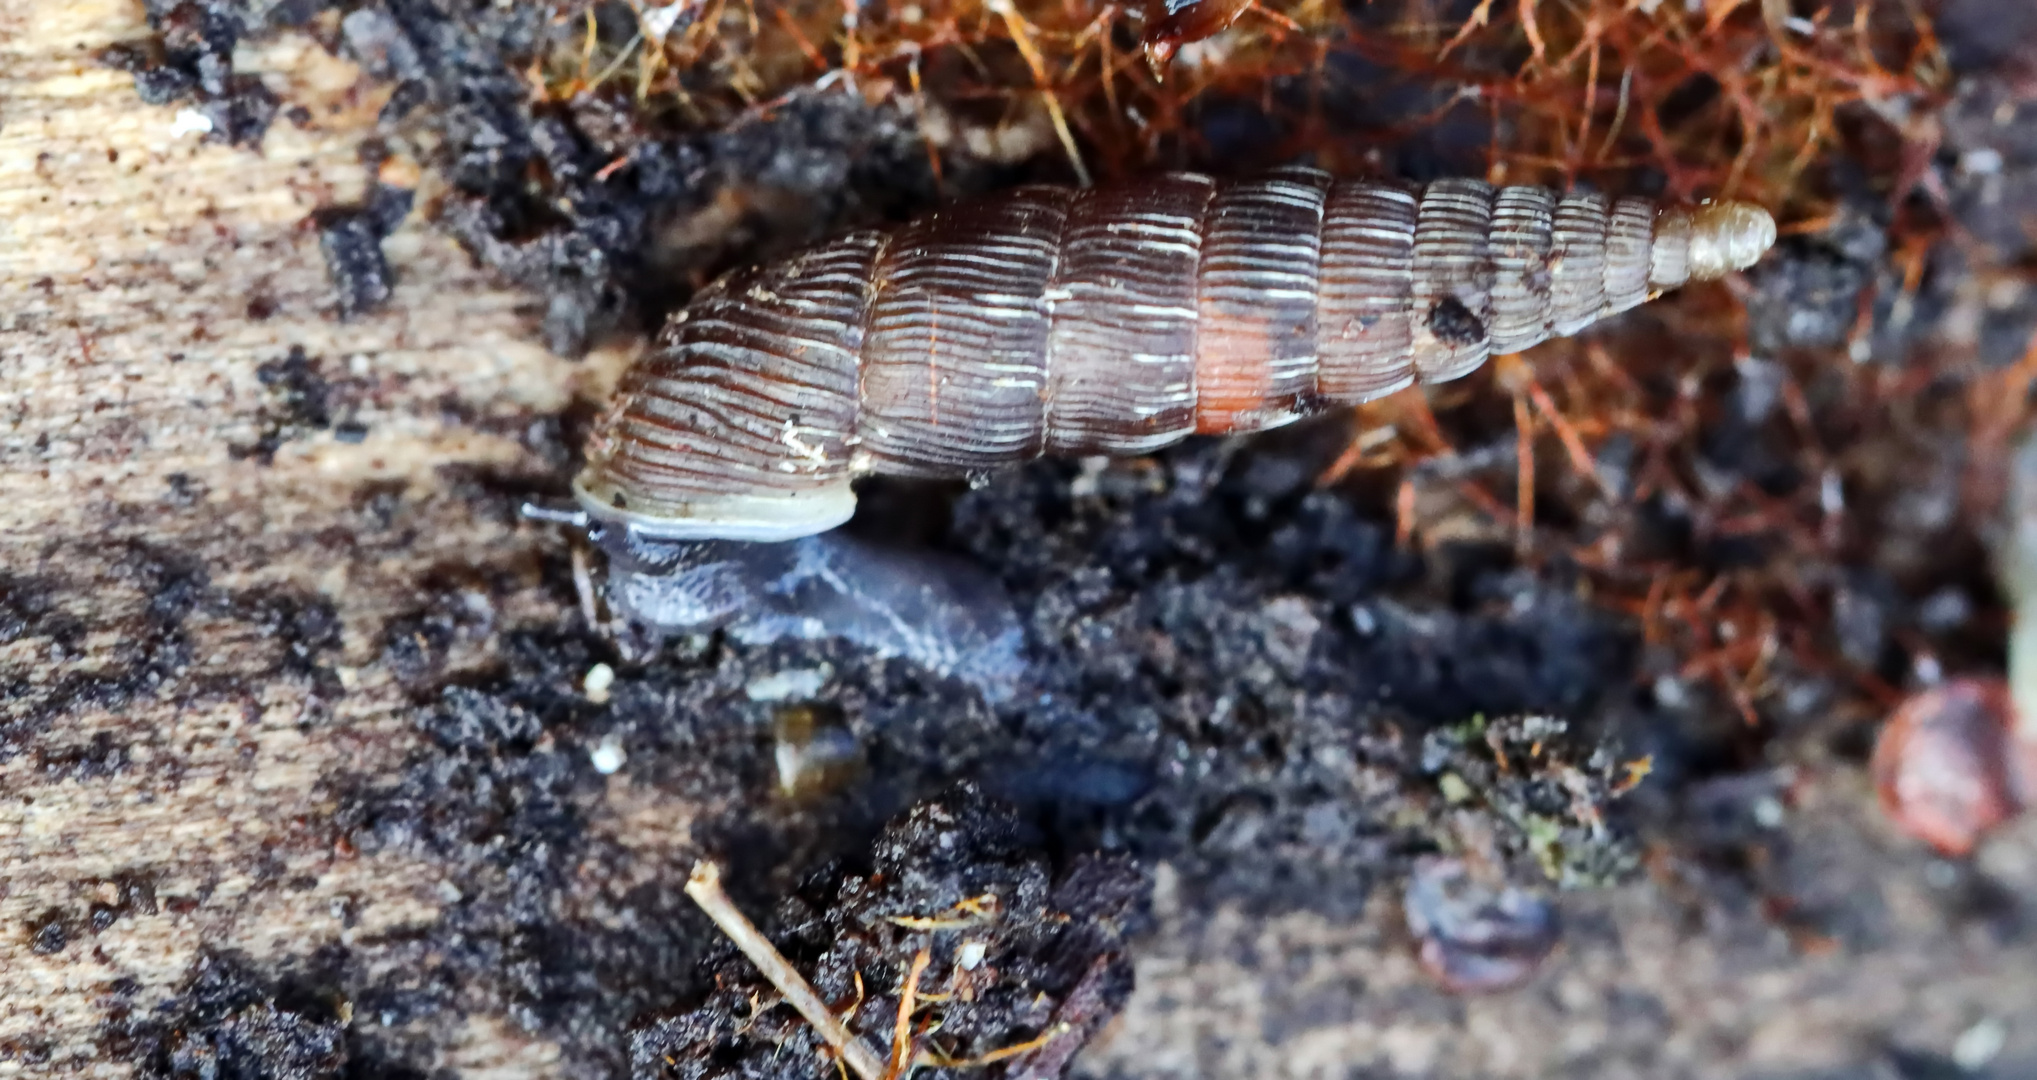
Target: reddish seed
1476, 937
1943, 767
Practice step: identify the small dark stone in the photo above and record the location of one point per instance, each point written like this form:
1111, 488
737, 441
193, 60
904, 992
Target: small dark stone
377, 42
129, 56
389, 206
163, 85
49, 934
299, 389
406, 97
351, 240
242, 113
184, 490
1476, 936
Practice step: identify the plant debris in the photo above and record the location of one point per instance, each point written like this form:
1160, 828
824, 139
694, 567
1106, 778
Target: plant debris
960, 947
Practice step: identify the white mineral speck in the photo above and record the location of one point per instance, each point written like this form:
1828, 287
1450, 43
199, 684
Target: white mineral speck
1981, 161
599, 678
787, 757
970, 954
190, 122
789, 685
608, 755
1978, 1045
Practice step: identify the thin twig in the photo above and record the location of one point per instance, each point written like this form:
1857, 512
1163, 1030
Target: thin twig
705, 889
901, 1033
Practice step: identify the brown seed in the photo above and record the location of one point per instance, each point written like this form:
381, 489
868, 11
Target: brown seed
1946, 764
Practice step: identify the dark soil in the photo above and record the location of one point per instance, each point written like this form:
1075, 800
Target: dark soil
147, 600
228, 1023
1239, 724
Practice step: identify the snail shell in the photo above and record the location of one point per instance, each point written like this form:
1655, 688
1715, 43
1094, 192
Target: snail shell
1112, 320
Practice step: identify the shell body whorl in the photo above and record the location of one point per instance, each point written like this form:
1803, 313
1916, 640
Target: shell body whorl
1114, 320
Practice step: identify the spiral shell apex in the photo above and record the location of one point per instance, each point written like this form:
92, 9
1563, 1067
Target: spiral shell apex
1113, 320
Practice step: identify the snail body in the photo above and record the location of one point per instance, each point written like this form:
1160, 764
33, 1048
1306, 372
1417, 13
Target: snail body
1113, 320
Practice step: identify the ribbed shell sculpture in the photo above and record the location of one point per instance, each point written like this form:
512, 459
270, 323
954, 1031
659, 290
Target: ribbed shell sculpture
1111, 320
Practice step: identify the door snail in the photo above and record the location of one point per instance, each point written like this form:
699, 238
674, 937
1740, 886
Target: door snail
1113, 320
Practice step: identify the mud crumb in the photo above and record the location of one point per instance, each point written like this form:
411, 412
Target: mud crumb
192, 57
300, 402
50, 933
27, 1051
1454, 324
95, 759
350, 238
226, 1022
132, 894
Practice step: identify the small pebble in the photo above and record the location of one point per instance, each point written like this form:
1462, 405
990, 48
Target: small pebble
608, 755
1981, 161
599, 679
1476, 937
1942, 764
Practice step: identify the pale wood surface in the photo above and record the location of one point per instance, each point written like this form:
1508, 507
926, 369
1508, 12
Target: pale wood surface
129, 253
128, 256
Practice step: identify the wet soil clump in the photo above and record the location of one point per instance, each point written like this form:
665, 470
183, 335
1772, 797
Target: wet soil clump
227, 1023
191, 58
